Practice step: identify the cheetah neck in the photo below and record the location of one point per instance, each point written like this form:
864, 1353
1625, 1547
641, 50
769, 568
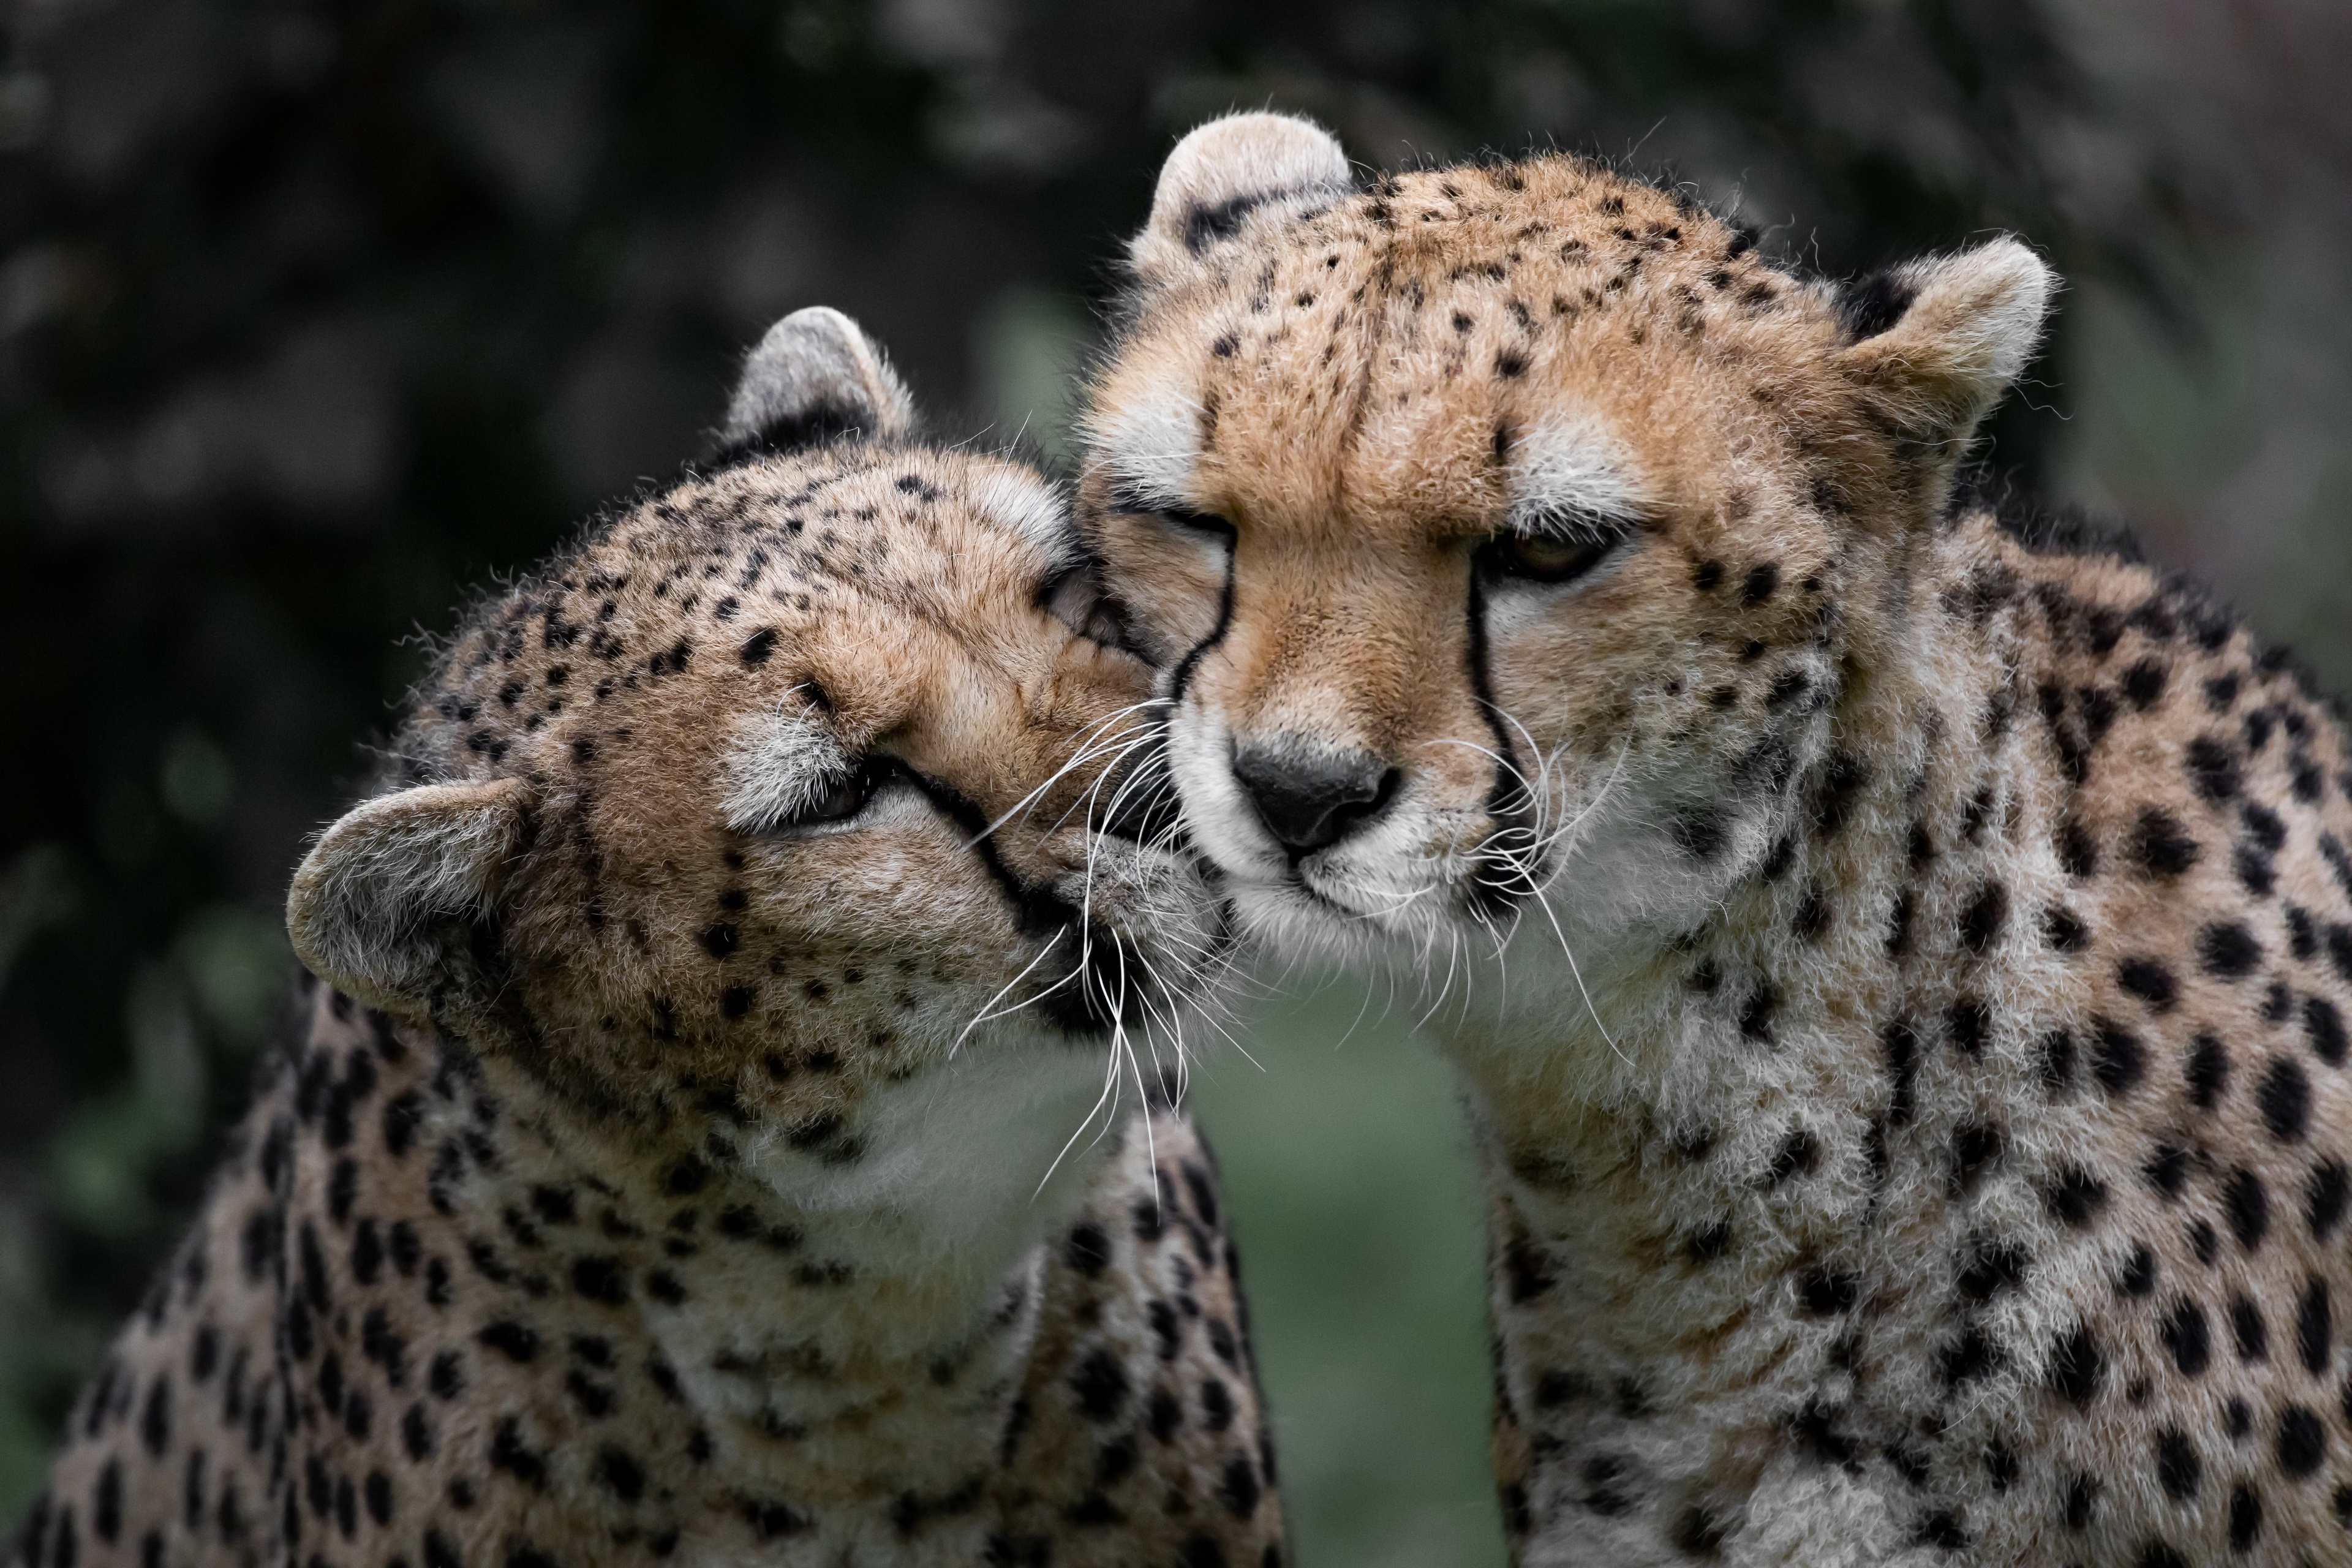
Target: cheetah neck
827, 1306
1854, 1149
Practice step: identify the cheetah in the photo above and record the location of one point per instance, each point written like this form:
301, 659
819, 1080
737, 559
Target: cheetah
1896, 957
678, 1164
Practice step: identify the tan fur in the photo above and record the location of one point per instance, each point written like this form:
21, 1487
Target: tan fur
1898, 972
679, 1210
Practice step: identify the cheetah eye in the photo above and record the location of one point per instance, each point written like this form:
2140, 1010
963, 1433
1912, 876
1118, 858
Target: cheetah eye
846, 797
1078, 601
1200, 524
1546, 558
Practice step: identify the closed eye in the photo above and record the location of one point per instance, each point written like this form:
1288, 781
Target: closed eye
1182, 520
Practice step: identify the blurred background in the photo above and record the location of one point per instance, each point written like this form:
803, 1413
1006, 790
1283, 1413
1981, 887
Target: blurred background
314, 316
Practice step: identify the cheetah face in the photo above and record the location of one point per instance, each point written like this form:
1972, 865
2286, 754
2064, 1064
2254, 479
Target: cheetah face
1505, 533
792, 783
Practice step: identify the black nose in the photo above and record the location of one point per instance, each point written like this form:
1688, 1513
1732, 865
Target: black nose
1310, 797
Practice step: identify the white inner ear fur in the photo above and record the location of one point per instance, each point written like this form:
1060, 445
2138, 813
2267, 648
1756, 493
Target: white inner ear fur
1148, 447
813, 358
1032, 508
1984, 307
369, 889
1571, 466
779, 765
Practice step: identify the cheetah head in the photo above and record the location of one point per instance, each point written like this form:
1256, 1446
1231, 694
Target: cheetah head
786, 787
1507, 532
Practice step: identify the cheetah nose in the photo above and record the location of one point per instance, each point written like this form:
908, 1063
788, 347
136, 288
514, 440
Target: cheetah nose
1310, 797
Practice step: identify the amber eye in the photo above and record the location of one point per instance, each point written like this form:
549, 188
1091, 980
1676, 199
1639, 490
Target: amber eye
1545, 558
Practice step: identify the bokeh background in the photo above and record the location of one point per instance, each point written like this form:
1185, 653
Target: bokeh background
315, 316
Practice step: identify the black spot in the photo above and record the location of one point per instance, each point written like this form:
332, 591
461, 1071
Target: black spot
2082, 1495
2246, 1517
1981, 921
2302, 1440
2076, 1196
2138, 1278
2063, 930
2314, 1326
1975, 1145
1708, 576
2161, 845
1708, 1242
1798, 1154
2285, 1100
2144, 684
601, 1279
508, 1453
2168, 1169
620, 1473
2076, 852
2214, 769
2246, 1327
2057, 1061
1240, 1491
2077, 1366
1971, 1025
1826, 1293
156, 1419
2228, 949
1942, 1530
1902, 1046
1100, 1384
2322, 1025
2149, 979
1524, 1268
2178, 1471
1840, 782
1760, 585
1992, 1267
514, 1340
2117, 1059
1755, 1014
1700, 833
2247, 1202
1971, 1356
2326, 1197
2208, 1071
720, 939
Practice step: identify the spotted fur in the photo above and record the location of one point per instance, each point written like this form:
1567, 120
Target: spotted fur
660, 1199
1898, 967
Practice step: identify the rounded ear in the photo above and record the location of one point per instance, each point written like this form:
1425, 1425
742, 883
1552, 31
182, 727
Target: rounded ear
1224, 170
382, 906
813, 376
1942, 339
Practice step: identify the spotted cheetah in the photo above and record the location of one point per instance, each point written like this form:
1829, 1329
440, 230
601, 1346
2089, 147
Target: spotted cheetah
1895, 958
678, 1164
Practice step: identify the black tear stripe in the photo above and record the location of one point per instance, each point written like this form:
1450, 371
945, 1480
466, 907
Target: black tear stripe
1041, 914
1182, 677
1508, 802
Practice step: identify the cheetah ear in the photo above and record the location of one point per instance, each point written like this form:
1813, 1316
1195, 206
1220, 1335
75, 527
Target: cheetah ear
1224, 170
815, 376
1940, 339
383, 906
